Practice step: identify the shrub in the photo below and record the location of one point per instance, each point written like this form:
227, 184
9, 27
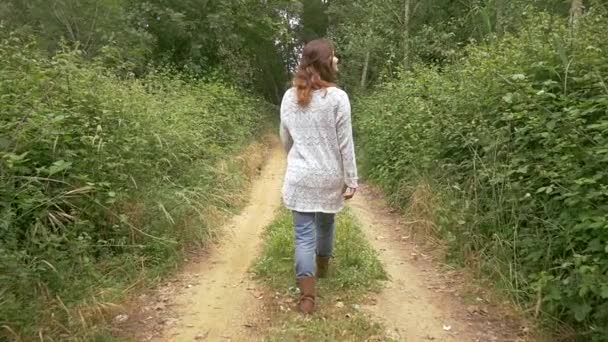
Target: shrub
518, 132
102, 178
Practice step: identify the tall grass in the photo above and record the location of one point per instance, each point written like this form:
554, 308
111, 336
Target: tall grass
354, 272
512, 140
104, 181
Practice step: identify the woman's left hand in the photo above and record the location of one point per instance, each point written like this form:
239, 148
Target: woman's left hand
349, 193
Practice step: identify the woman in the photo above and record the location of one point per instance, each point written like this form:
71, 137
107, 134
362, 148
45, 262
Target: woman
321, 168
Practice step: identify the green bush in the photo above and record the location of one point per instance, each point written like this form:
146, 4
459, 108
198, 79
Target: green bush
514, 137
103, 178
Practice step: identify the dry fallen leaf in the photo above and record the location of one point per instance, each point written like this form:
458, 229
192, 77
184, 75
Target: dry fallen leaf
121, 318
472, 309
201, 336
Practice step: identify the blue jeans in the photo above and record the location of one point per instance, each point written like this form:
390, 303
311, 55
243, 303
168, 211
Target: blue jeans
314, 235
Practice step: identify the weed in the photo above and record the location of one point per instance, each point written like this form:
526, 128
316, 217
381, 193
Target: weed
354, 272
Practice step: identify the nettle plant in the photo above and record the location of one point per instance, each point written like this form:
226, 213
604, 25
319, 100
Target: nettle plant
514, 139
100, 175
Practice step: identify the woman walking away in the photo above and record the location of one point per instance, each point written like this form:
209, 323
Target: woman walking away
321, 168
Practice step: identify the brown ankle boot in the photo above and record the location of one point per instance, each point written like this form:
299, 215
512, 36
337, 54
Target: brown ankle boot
307, 299
322, 266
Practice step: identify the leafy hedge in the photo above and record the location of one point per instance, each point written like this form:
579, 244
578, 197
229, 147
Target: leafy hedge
514, 138
102, 178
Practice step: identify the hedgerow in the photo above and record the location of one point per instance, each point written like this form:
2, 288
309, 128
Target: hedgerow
105, 178
514, 139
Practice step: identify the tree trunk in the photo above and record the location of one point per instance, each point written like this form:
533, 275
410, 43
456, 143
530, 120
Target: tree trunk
406, 33
365, 67
277, 96
499, 17
576, 11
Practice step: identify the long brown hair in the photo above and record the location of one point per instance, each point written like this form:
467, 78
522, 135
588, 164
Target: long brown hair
315, 70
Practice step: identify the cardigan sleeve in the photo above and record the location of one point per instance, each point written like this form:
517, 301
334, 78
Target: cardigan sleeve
286, 138
346, 144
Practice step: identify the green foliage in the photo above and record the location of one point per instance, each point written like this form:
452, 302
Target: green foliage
388, 38
514, 136
89, 25
248, 43
313, 20
379, 35
102, 179
243, 39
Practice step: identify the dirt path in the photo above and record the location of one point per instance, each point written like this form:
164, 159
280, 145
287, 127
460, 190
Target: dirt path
420, 302
216, 300
220, 299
